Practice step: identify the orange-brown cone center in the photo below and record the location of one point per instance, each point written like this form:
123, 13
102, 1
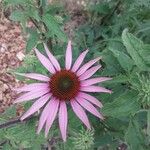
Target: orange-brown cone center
64, 85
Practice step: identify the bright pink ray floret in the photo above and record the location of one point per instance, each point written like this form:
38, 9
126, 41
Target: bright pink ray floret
69, 85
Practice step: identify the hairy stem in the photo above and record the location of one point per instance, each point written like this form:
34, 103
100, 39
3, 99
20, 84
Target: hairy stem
107, 17
14, 121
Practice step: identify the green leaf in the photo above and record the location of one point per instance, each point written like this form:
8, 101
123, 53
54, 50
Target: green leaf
33, 13
32, 40
103, 139
17, 2
119, 79
112, 66
54, 27
125, 61
122, 106
7, 146
18, 15
145, 53
24, 135
134, 47
10, 112
134, 136
102, 8
148, 122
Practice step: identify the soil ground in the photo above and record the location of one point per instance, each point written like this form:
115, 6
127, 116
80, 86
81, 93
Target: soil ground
12, 46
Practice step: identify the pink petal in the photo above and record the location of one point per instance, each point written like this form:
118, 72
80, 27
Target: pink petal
94, 81
95, 89
35, 76
52, 58
87, 66
37, 105
31, 95
43, 118
68, 59
87, 74
90, 99
89, 107
32, 87
45, 62
63, 119
79, 61
78, 110
53, 108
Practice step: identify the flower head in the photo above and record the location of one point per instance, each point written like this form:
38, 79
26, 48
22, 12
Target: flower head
84, 139
142, 86
69, 85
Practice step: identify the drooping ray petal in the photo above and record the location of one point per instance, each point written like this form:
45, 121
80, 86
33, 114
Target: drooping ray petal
63, 119
37, 105
89, 107
45, 62
32, 87
43, 117
52, 58
87, 74
87, 66
53, 108
90, 99
34, 76
79, 61
31, 95
68, 57
78, 110
95, 89
94, 81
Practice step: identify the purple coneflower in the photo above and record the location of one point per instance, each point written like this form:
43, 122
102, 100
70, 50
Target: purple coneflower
64, 86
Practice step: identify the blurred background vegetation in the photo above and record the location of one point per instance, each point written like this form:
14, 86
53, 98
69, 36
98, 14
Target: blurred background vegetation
117, 30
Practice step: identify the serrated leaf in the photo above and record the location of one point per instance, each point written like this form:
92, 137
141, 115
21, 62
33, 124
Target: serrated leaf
148, 122
54, 27
24, 135
119, 79
102, 8
7, 146
125, 61
33, 13
134, 136
103, 139
112, 65
17, 2
122, 106
32, 40
10, 112
18, 15
134, 47
145, 53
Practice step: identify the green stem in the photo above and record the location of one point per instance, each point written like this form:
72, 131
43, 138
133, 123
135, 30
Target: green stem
14, 121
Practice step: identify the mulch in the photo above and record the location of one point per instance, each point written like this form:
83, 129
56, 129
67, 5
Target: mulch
12, 46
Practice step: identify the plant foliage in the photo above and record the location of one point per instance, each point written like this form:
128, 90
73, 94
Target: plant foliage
119, 32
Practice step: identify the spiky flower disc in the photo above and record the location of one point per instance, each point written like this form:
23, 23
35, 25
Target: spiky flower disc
68, 85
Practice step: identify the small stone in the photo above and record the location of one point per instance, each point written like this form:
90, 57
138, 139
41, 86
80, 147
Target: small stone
6, 87
13, 62
20, 56
7, 96
4, 65
3, 48
1, 95
4, 100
